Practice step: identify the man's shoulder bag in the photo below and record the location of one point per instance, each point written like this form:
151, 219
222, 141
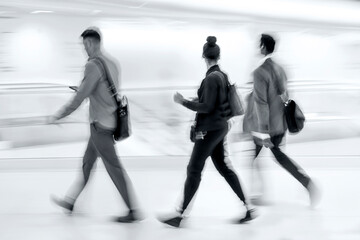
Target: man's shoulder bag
295, 118
123, 125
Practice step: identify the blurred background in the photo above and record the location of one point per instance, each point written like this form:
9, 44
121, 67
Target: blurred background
159, 46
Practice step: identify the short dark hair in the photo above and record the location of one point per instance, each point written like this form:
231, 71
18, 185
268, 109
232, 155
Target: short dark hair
268, 41
90, 33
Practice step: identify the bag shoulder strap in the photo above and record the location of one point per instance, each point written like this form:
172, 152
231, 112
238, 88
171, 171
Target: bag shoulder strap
111, 83
221, 75
284, 97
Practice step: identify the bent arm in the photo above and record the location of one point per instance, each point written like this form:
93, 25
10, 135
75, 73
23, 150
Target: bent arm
91, 78
206, 103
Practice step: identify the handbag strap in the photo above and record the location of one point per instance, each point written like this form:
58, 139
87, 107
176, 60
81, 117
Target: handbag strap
111, 83
221, 75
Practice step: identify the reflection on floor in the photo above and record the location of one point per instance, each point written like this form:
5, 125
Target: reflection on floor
26, 212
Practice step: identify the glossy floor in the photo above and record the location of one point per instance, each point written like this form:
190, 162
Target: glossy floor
26, 212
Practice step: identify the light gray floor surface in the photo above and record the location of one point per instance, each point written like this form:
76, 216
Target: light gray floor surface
27, 181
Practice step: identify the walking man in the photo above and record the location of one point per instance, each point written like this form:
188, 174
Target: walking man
265, 114
102, 109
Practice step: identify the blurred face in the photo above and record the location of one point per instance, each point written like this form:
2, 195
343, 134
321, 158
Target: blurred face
88, 46
262, 48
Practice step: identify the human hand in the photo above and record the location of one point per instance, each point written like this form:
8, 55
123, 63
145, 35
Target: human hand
178, 98
267, 143
262, 139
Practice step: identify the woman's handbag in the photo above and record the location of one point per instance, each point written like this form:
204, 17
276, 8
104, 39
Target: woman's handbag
235, 102
192, 130
196, 135
123, 126
234, 98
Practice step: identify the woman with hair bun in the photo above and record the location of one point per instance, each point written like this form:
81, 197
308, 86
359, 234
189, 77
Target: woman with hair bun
210, 131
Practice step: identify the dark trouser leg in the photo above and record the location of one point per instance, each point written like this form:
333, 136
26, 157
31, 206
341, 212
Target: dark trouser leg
225, 170
104, 143
89, 159
257, 150
295, 170
201, 151
255, 161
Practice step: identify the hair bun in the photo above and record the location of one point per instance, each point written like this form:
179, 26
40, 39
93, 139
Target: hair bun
211, 50
211, 40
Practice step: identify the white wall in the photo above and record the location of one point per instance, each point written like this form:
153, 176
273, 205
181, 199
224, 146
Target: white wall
160, 52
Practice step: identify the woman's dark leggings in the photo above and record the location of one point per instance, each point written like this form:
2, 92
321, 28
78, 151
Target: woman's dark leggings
212, 145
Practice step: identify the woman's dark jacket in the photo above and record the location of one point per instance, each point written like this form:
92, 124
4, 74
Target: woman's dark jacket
212, 95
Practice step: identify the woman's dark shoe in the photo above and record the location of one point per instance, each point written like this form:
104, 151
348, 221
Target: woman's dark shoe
174, 222
250, 215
